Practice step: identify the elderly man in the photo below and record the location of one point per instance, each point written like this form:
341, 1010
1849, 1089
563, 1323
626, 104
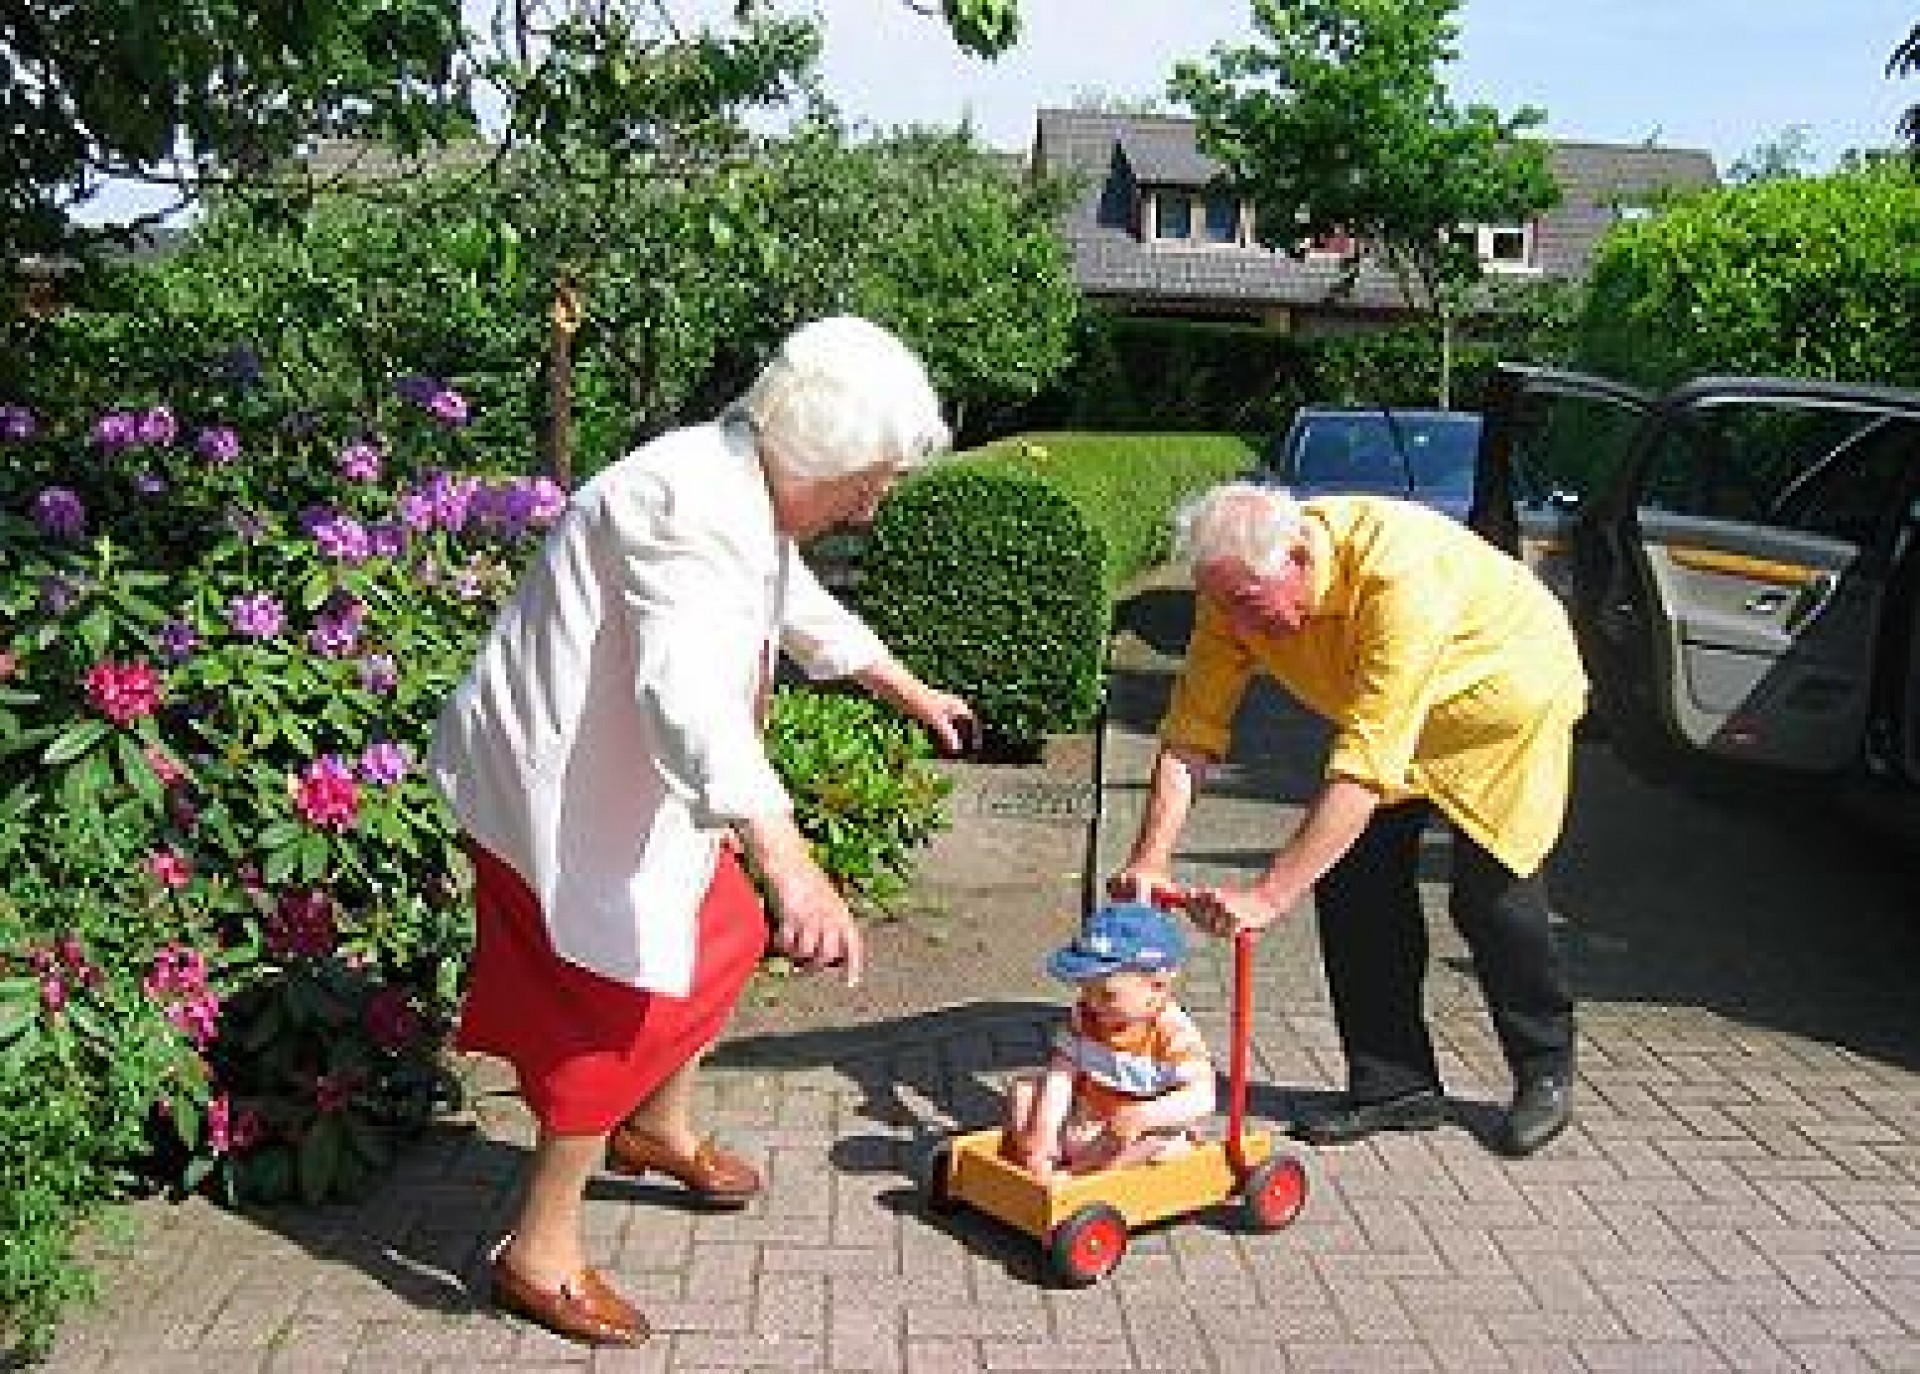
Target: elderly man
1452, 682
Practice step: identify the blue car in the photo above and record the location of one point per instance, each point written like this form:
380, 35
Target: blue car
1416, 455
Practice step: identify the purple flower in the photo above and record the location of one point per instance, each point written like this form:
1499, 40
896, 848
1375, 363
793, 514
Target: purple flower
57, 594
547, 500
448, 406
150, 484
59, 513
384, 763
336, 630
257, 615
451, 499
177, 641
157, 426
339, 536
117, 430
360, 462
218, 444
16, 422
378, 674
387, 538
416, 388
415, 509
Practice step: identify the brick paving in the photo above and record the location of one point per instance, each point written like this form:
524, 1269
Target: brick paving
1740, 1190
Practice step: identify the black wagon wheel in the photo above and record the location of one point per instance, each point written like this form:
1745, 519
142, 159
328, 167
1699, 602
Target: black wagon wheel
1274, 1193
936, 1179
1085, 1247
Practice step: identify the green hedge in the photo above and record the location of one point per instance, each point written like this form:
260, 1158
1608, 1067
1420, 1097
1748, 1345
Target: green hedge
990, 584
1806, 277
1125, 485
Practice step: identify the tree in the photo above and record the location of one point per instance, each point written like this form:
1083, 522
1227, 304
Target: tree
197, 97
184, 94
1339, 125
1906, 62
1788, 154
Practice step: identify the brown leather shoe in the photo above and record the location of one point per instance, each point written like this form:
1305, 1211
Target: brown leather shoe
585, 1309
711, 1174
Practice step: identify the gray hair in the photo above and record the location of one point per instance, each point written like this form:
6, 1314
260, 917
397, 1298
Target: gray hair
1253, 524
843, 396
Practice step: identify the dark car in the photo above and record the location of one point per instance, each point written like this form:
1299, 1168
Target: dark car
1417, 455
1742, 562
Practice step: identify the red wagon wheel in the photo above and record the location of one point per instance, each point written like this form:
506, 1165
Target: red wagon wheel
1274, 1193
1085, 1247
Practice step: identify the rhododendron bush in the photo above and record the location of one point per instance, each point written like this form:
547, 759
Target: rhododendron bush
232, 926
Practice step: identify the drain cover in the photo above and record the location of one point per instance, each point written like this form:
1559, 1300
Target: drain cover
1038, 801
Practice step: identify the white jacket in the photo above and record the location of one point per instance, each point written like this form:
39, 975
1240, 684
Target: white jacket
605, 737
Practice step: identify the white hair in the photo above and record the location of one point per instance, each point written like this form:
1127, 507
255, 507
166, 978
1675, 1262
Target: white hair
1253, 524
843, 396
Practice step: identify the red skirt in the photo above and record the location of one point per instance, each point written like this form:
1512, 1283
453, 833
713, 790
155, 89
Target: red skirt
586, 1048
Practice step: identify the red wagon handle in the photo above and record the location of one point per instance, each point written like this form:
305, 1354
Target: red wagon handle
1239, 1052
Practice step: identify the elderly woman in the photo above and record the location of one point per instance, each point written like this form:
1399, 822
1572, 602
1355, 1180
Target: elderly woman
604, 758
1452, 682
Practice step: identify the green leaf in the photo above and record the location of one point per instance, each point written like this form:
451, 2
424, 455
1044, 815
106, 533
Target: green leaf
74, 741
319, 1159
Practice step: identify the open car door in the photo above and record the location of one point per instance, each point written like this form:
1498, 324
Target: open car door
1740, 564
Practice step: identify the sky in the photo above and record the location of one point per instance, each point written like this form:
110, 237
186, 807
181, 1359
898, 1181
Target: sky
1724, 75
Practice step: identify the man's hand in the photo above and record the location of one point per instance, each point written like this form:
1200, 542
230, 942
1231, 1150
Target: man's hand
1225, 910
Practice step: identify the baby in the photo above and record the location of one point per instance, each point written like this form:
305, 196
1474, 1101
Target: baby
1128, 1073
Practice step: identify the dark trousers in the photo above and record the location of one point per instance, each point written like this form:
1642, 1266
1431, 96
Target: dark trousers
1373, 941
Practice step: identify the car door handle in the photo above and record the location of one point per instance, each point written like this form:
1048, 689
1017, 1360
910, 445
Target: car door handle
1765, 603
1814, 595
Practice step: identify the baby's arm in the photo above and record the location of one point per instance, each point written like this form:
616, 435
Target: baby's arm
1040, 1146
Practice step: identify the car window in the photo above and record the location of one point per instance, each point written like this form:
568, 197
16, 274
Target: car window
1354, 452
1568, 446
1813, 469
1440, 452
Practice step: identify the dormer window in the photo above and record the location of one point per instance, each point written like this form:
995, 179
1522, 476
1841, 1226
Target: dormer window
1501, 247
1172, 215
1223, 219
1216, 218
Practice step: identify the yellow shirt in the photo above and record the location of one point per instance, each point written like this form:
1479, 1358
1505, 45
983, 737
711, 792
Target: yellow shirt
1447, 669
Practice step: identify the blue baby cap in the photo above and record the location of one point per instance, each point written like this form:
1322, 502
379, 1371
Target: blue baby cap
1120, 936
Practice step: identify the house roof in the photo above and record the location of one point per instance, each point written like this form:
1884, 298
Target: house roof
1116, 155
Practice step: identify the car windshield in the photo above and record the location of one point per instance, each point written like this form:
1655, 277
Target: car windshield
1388, 453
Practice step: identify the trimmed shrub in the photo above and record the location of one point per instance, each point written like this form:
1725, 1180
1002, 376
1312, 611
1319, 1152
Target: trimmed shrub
990, 584
1805, 277
1125, 485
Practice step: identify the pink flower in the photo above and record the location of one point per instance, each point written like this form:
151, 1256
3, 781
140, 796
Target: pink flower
9, 664
390, 1019
326, 794
219, 1128
169, 868
53, 992
163, 766
123, 692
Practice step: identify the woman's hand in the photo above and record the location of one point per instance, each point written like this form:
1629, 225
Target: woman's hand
950, 720
814, 927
